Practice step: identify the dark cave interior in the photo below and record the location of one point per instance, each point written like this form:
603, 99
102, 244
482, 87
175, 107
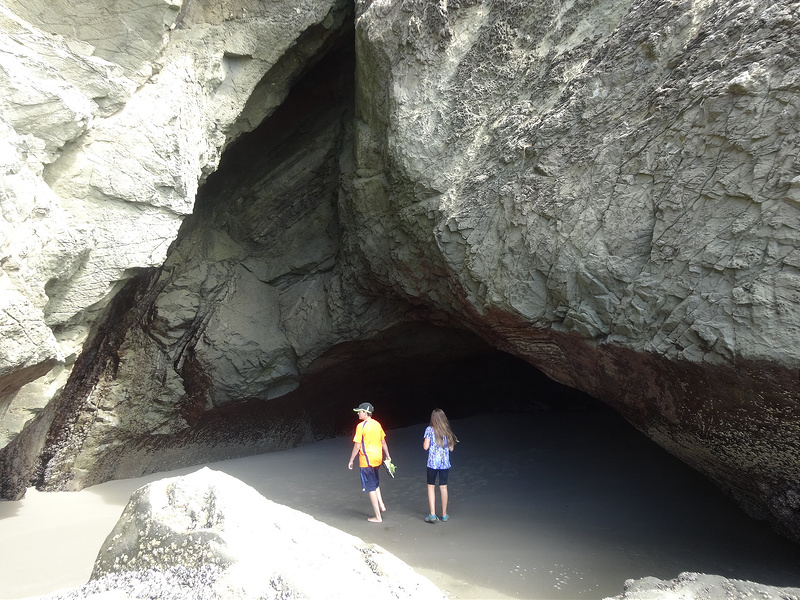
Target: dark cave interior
405, 373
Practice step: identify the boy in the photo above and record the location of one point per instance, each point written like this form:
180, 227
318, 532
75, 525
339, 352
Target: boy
369, 442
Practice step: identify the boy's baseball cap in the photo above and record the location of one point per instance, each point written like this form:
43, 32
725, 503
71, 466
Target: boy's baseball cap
365, 406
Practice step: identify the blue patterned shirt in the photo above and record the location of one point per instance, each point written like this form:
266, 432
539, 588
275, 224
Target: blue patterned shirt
438, 456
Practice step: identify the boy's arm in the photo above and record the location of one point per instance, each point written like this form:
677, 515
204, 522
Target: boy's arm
385, 450
353, 455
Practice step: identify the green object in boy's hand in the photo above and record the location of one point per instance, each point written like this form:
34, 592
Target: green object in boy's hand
389, 467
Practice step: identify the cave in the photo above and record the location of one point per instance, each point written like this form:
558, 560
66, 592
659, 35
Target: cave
426, 360
227, 224
405, 373
155, 336
333, 257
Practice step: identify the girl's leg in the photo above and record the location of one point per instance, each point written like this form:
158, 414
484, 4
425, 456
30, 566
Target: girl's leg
432, 499
443, 492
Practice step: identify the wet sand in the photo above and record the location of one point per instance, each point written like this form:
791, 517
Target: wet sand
543, 506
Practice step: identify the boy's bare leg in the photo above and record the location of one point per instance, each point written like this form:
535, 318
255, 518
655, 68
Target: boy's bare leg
443, 492
380, 499
374, 499
432, 499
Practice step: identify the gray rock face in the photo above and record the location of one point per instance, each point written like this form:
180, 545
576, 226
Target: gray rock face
610, 188
208, 535
614, 171
607, 190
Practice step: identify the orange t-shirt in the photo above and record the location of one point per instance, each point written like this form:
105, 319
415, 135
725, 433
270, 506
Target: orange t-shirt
369, 435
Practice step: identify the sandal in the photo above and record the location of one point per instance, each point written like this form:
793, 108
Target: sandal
431, 519
445, 517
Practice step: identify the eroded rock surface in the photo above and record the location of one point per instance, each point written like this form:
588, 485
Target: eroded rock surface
606, 190
106, 146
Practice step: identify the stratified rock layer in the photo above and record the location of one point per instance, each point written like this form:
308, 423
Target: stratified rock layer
607, 190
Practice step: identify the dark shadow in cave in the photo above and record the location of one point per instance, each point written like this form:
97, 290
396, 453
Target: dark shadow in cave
405, 373
324, 92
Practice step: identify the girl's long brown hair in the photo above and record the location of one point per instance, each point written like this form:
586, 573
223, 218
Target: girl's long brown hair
441, 428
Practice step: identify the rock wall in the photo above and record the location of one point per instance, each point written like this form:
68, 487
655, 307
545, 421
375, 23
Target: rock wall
111, 135
606, 190
102, 159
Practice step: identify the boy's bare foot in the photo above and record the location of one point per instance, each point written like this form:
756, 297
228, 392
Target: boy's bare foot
383, 509
375, 520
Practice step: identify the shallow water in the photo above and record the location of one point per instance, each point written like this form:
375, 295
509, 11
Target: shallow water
543, 506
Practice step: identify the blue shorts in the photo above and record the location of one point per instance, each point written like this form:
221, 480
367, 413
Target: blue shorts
442, 473
370, 481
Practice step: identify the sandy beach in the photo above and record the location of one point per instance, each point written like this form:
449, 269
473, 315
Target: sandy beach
543, 505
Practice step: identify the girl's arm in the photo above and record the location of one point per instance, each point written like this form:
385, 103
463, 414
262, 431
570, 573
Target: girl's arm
426, 443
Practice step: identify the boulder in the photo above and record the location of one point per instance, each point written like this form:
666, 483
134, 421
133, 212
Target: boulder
208, 535
699, 586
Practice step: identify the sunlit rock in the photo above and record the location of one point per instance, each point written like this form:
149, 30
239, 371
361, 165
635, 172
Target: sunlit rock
112, 118
212, 528
697, 586
609, 189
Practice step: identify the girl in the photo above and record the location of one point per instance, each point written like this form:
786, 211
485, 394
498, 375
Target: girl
439, 441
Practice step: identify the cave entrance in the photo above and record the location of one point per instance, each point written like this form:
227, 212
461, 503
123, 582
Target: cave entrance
550, 489
405, 372
410, 369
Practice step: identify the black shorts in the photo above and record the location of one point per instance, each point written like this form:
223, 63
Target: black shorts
442, 473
